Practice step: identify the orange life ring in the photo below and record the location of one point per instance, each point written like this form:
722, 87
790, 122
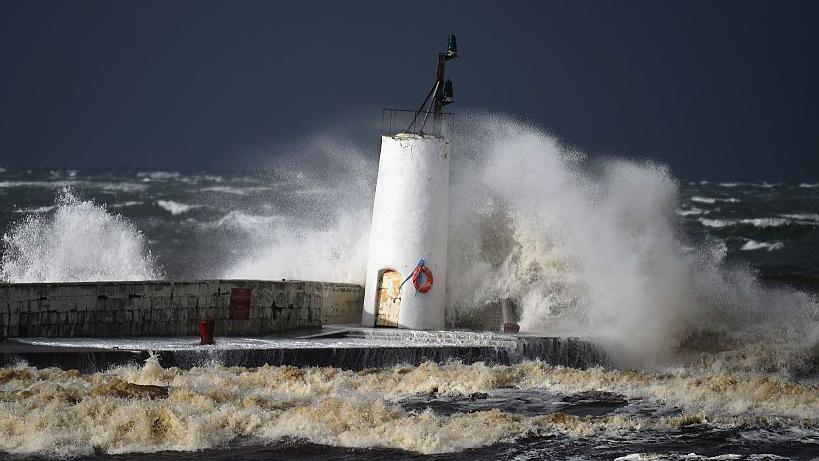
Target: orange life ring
422, 278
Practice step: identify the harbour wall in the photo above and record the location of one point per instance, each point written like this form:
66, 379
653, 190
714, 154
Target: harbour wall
351, 348
169, 308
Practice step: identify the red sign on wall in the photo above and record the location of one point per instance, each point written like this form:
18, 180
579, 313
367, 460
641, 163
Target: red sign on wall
239, 303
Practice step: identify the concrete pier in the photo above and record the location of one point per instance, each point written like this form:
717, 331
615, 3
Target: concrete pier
346, 347
93, 326
166, 308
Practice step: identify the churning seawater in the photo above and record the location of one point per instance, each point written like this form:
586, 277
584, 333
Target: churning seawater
703, 292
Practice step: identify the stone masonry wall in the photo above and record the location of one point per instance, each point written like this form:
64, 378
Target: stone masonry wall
164, 308
343, 303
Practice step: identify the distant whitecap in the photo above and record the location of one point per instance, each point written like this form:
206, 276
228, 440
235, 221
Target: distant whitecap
176, 208
752, 245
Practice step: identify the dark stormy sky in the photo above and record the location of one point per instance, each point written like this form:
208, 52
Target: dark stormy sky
714, 89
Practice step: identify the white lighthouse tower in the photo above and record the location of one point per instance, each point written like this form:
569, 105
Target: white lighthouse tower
406, 270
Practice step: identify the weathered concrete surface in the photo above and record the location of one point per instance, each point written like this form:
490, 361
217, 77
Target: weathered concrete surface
347, 347
165, 308
342, 303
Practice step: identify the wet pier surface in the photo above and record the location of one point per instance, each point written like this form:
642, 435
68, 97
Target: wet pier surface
346, 347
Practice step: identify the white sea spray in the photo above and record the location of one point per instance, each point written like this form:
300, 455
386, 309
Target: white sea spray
77, 240
586, 246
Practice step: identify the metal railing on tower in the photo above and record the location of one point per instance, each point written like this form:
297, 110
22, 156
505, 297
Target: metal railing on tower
396, 121
429, 118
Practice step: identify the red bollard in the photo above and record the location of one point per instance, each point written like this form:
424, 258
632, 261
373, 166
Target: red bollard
206, 331
509, 312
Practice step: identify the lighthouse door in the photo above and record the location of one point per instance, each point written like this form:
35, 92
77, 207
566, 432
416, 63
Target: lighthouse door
388, 299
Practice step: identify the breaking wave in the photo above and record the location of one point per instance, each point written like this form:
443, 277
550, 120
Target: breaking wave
814, 217
158, 175
711, 201
764, 184
234, 190
759, 222
752, 245
585, 246
755, 222
76, 241
41, 209
708, 200
127, 204
691, 211
105, 186
176, 208
594, 247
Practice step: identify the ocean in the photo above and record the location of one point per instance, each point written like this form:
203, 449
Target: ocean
703, 292
771, 227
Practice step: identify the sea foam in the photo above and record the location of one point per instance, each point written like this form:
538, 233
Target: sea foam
58, 414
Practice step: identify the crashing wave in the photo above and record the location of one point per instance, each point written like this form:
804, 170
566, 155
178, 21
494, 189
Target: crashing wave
594, 248
586, 247
76, 241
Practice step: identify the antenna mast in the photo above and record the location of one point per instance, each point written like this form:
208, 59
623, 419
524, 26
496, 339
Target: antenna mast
441, 91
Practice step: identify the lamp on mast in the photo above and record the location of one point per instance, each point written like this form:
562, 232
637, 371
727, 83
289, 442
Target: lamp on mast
441, 92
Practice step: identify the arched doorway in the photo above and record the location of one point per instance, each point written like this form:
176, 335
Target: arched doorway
388, 301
